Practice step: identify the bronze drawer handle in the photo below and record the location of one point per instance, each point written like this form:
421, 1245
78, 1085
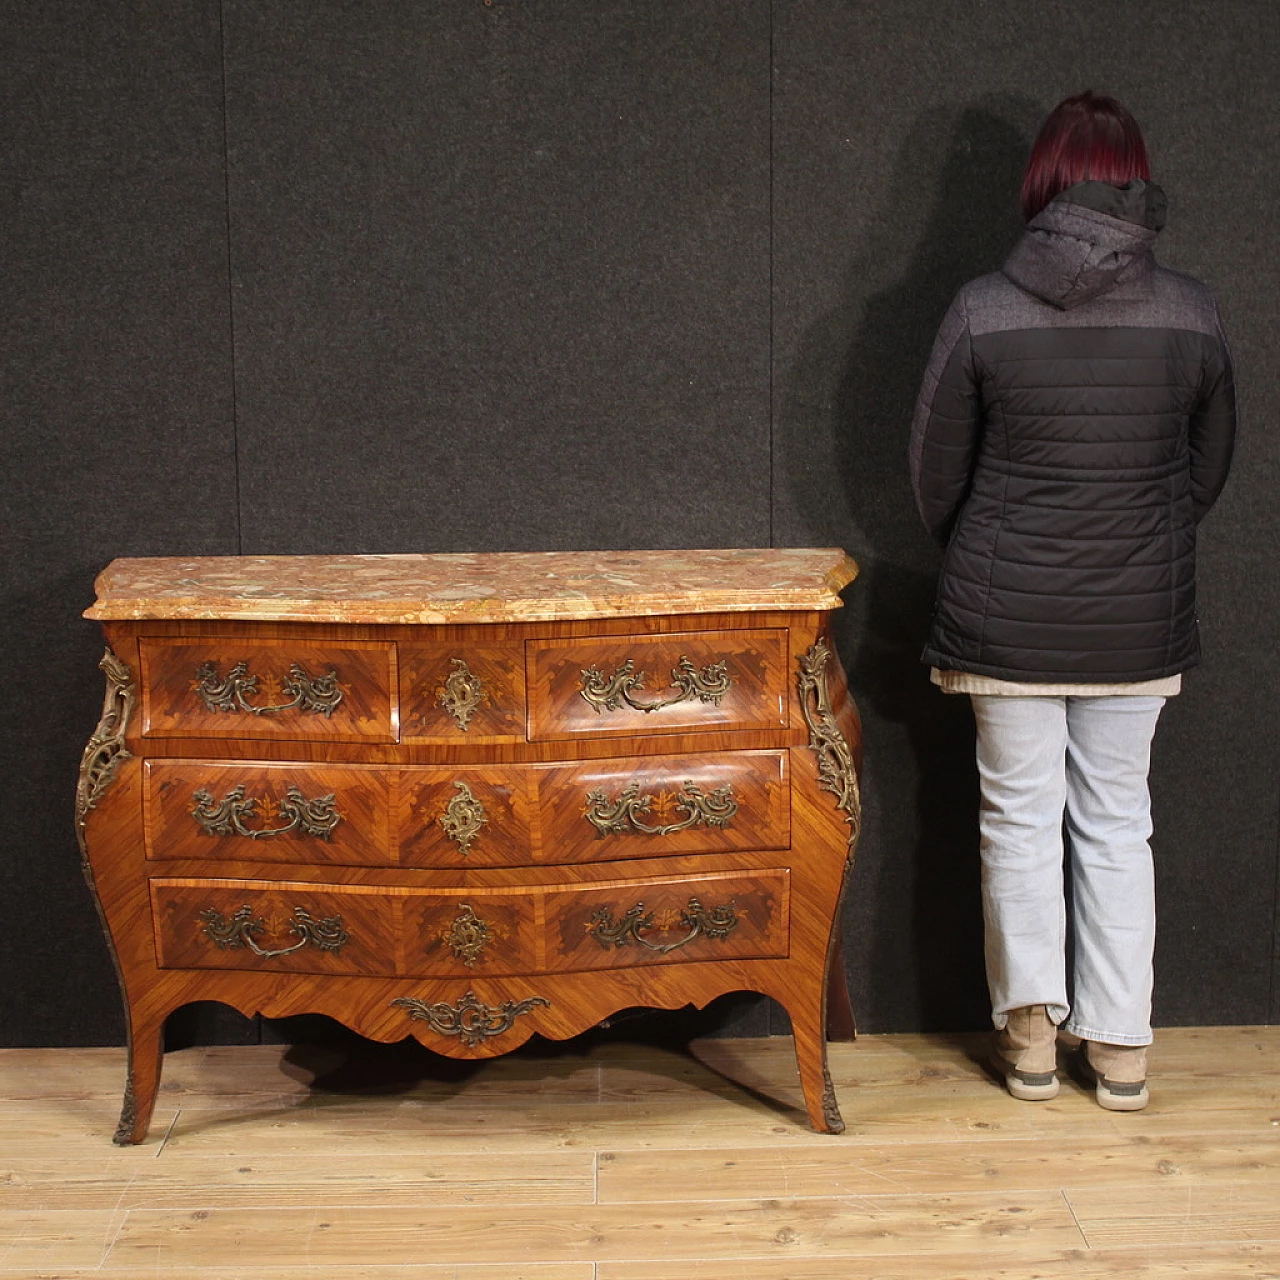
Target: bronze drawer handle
467, 936
608, 693
462, 693
715, 924
622, 814
325, 935
463, 817
226, 817
471, 1020
317, 694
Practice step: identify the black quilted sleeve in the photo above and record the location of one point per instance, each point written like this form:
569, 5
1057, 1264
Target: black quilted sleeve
1212, 430
945, 429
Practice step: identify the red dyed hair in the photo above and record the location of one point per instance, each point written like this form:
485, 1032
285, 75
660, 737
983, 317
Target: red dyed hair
1088, 136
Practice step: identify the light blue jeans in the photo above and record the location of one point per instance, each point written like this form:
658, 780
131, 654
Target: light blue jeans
1073, 765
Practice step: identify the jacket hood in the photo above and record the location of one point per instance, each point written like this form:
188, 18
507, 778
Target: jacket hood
1087, 240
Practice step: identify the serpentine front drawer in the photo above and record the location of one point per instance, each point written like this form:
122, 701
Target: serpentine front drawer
275, 926
655, 806
622, 686
465, 694
270, 812
305, 691
719, 916
466, 815
286, 927
469, 816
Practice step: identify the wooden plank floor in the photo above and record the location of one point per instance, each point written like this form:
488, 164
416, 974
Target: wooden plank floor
634, 1163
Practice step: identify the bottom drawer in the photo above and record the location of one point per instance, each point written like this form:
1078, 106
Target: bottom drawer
622, 923
274, 926
299, 927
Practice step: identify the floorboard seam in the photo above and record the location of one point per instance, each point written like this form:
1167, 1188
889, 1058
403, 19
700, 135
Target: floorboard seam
1071, 1209
118, 1217
164, 1142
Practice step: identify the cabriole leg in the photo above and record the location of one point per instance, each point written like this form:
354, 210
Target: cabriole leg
811, 1060
146, 1050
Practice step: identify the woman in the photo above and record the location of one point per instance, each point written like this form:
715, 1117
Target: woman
1075, 424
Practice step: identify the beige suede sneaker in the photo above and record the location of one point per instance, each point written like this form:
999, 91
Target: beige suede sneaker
1118, 1073
1025, 1054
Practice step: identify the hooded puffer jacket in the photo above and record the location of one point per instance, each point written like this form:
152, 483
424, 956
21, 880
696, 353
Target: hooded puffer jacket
1075, 423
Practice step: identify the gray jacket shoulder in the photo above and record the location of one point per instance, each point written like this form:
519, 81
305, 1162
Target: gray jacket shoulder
994, 303
1155, 298
1187, 298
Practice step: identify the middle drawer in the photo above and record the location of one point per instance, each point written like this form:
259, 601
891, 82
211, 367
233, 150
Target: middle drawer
466, 815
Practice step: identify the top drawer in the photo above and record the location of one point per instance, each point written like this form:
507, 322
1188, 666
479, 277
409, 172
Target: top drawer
290, 690
620, 686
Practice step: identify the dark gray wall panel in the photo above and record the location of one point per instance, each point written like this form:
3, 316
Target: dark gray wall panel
115, 423
501, 274
900, 132
500, 277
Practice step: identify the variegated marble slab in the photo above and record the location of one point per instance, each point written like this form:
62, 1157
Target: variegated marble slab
496, 587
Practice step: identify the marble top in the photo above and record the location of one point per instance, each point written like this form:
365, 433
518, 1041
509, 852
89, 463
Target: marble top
490, 587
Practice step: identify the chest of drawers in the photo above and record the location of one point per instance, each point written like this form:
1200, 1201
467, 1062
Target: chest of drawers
471, 798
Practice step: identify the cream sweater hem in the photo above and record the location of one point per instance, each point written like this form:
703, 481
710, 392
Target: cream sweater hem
970, 682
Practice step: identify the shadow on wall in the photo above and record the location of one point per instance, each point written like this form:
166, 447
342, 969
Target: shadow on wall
915, 928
